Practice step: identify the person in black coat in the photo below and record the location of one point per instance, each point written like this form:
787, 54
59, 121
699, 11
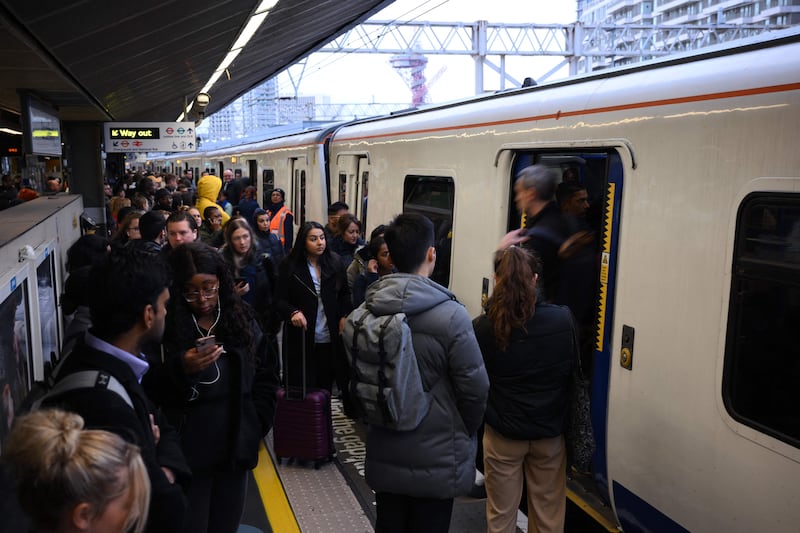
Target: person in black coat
545, 228
529, 349
247, 204
221, 394
313, 298
254, 275
268, 242
128, 307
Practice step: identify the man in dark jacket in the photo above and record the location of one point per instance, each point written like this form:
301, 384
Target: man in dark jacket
128, 306
545, 228
417, 474
151, 228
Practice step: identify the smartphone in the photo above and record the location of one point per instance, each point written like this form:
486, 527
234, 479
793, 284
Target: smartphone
204, 342
239, 281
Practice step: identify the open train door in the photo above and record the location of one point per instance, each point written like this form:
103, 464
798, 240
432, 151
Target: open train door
597, 167
298, 170
351, 182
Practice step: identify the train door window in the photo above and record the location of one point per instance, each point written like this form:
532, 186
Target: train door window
761, 377
300, 199
364, 191
434, 197
342, 187
267, 184
252, 170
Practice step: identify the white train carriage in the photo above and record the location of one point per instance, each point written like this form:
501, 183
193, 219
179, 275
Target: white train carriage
694, 171
694, 177
295, 163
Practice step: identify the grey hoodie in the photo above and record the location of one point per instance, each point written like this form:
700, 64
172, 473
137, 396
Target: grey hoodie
437, 459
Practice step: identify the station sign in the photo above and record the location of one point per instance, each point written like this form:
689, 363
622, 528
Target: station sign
150, 137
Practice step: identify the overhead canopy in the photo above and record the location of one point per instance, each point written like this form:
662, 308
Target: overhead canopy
141, 60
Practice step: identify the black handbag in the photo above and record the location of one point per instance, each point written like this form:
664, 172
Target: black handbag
580, 435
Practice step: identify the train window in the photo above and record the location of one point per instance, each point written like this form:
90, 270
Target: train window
301, 209
342, 187
434, 197
267, 184
364, 191
761, 378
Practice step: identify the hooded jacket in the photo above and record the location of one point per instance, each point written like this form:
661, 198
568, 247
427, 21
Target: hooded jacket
437, 459
208, 188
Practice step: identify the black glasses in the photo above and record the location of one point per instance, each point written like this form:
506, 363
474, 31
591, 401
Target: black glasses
205, 294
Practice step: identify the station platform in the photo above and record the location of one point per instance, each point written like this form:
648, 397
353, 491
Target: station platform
290, 497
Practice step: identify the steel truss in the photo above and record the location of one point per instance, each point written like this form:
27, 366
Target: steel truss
583, 47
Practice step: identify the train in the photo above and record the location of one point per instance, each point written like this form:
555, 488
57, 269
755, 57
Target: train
692, 167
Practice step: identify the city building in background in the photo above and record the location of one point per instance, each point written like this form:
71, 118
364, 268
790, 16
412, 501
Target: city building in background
697, 12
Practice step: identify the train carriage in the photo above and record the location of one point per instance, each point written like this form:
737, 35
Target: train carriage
694, 401
694, 182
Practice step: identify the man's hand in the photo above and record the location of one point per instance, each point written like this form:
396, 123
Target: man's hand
512, 238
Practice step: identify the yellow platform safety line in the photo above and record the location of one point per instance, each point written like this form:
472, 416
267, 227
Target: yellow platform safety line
273, 496
592, 512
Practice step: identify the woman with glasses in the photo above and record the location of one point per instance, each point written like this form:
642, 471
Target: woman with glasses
216, 381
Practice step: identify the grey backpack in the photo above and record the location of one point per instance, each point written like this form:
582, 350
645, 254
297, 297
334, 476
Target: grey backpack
385, 379
52, 387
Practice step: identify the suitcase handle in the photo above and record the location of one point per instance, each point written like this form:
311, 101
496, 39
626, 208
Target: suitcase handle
304, 389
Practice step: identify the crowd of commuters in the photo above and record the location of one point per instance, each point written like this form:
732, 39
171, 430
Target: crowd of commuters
183, 304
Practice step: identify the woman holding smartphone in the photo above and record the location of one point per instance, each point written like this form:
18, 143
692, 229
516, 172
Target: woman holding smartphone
253, 273
216, 380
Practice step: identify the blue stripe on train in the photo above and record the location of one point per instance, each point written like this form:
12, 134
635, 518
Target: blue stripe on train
635, 514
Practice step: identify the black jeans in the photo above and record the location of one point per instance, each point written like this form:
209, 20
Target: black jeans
216, 502
398, 513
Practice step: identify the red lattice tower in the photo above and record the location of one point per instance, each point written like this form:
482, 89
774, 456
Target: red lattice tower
411, 68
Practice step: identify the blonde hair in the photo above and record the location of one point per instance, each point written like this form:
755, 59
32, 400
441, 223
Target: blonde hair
57, 465
118, 203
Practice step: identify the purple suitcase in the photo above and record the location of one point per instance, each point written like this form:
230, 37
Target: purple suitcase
303, 429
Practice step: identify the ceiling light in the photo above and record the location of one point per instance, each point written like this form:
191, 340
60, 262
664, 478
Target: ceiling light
253, 23
266, 5
247, 33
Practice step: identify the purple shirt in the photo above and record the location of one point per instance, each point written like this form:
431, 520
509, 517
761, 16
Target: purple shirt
139, 364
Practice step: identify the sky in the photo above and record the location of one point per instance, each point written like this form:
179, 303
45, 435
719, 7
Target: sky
359, 78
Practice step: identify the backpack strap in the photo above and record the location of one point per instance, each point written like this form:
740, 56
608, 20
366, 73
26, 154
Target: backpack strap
354, 377
86, 379
383, 381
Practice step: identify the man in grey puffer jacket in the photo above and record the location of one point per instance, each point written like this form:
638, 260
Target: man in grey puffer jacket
416, 474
